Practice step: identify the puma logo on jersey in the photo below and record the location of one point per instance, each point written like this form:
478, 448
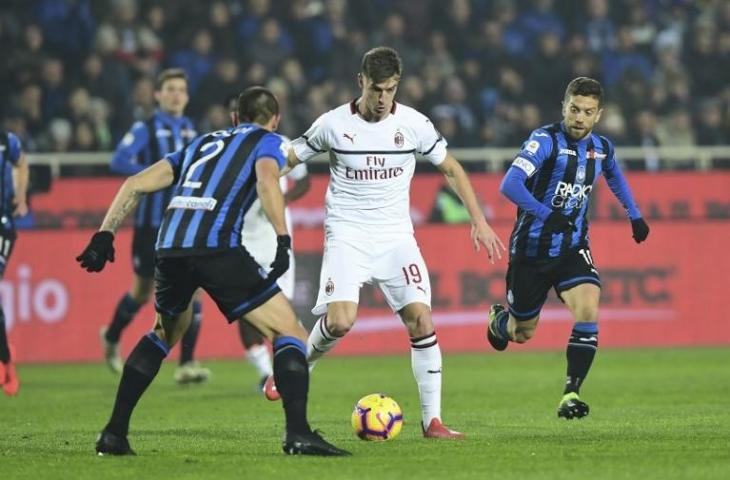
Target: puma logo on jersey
421, 289
351, 138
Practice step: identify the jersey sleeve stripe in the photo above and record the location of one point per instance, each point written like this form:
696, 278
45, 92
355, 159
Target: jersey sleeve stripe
306, 139
433, 146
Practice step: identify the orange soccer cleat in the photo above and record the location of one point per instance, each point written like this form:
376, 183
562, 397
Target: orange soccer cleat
436, 429
270, 390
10, 382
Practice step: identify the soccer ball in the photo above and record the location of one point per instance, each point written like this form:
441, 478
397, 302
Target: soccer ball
377, 417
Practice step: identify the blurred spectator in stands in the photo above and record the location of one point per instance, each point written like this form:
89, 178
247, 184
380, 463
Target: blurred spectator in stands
24, 64
453, 108
84, 138
704, 63
60, 135
293, 73
221, 28
676, 129
54, 89
625, 58
644, 134
143, 98
30, 108
551, 66
514, 39
599, 27
224, 78
709, 125
69, 28
103, 77
251, 19
455, 20
612, 124
538, 21
271, 46
197, 60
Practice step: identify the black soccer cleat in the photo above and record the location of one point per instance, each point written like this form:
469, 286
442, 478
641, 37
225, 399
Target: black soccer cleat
572, 407
310, 443
495, 340
108, 443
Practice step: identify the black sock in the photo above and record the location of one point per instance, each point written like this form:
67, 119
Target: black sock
127, 308
4, 349
139, 371
190, 338
581, 349
291, 375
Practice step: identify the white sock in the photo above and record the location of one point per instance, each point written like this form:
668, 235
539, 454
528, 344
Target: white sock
260, 358
320, 341
426, 364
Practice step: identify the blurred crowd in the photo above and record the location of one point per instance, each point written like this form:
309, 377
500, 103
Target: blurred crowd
75, 74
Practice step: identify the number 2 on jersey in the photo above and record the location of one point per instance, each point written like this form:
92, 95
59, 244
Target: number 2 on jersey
217, 146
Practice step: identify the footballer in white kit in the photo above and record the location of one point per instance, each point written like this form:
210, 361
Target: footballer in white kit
372, 145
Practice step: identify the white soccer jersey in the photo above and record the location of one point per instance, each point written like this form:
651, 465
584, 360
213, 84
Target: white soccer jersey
259, 237
371, 163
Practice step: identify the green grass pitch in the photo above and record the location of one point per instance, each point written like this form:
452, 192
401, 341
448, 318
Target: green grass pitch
655, 414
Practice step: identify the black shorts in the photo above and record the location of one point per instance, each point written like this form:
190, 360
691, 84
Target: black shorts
143, 251
7, 242
232, 278
528, 282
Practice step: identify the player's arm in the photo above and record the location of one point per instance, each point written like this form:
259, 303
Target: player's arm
314, 141
272, 202
269, 192
20, 172
302, 184
525, 165
481, 231
101, 247
155, 177
620, 188
132, 144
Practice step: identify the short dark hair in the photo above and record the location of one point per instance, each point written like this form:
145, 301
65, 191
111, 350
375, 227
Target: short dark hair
381, 63
257, 105
585, 87
231, 102
169, 74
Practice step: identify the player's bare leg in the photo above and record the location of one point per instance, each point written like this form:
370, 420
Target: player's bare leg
325, 334
127, 308
189, 370
257, 352
329, 329
277, 321
582, 301
503, 328
140, 369
426, 364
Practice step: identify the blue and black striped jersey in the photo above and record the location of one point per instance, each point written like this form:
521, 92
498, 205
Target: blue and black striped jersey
214, 186
560, 173
10, 150
144, 144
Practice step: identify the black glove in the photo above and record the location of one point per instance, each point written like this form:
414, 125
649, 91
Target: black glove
281, 260
640, 229
559, 223
99, 250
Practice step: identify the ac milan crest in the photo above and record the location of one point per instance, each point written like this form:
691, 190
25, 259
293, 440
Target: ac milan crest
399, 139
329, 287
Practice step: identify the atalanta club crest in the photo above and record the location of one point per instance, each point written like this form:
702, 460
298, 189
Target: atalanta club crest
580, 175
399, 139
329, 287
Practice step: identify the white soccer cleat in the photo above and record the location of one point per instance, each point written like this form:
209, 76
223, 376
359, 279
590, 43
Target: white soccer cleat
111, 352
191, 372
